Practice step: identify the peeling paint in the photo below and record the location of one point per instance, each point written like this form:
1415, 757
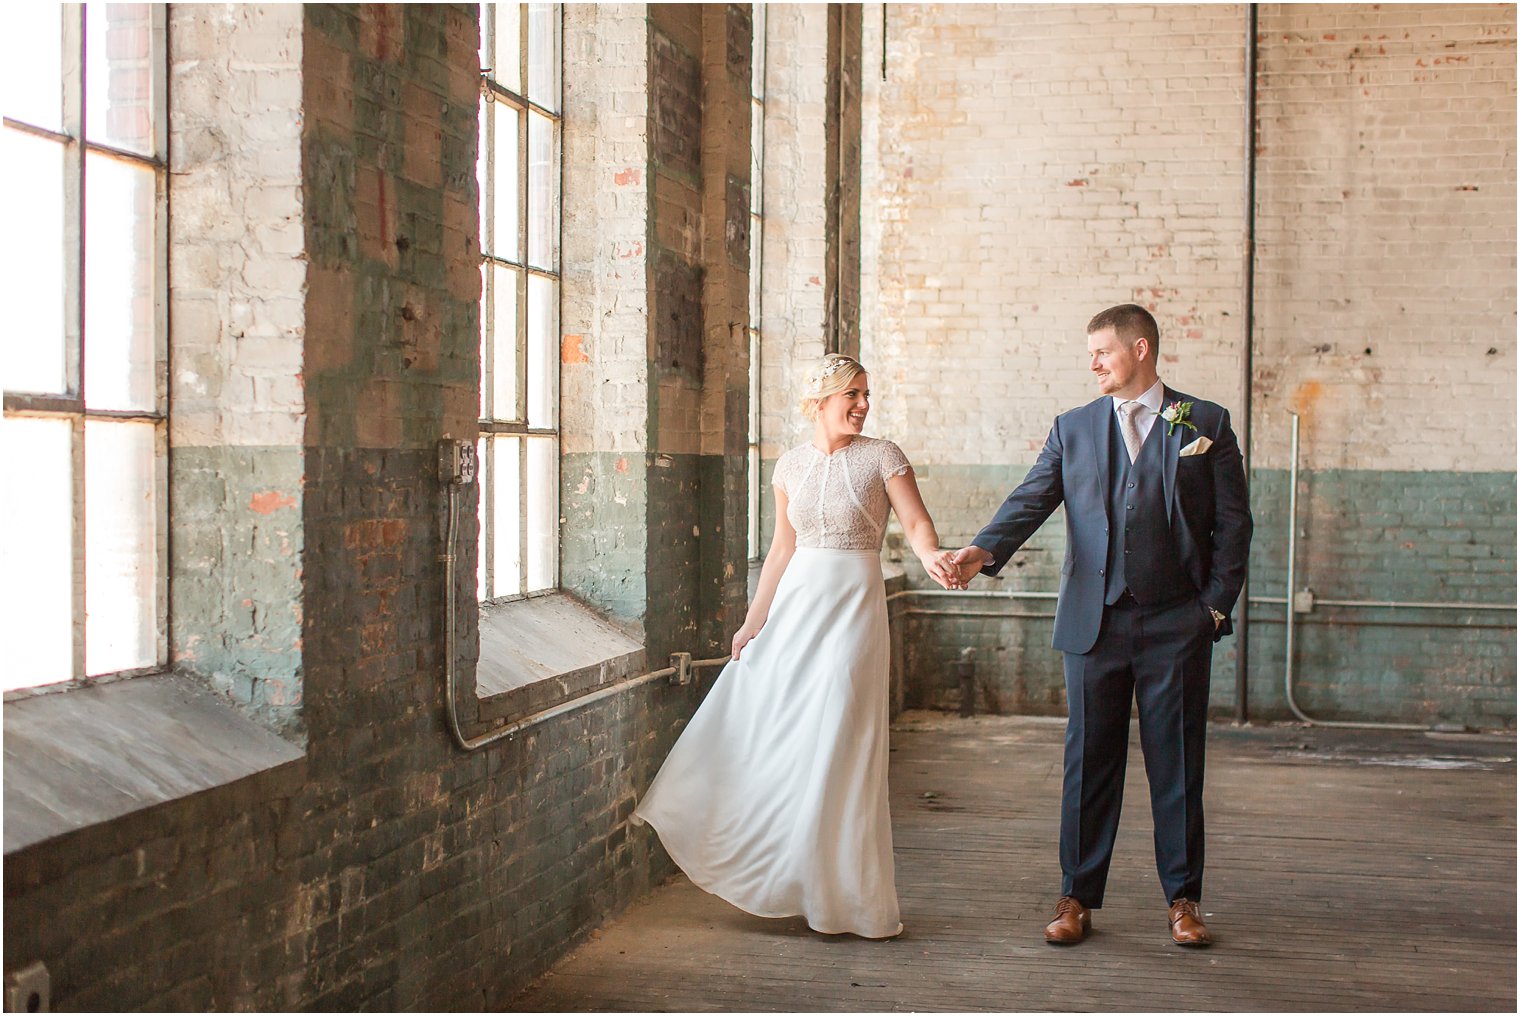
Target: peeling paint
270, 501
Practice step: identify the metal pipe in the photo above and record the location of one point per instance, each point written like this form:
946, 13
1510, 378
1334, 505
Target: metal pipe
1019, 594
1292, 571
922, 612
1289, 620
451, 652
1388, 623
1413, 605
1248, 328
984, 594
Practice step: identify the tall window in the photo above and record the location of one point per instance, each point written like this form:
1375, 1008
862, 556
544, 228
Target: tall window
84, 434
756, 210
519, 175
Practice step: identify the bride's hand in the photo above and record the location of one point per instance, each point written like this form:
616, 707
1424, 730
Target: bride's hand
942, 569
743, 636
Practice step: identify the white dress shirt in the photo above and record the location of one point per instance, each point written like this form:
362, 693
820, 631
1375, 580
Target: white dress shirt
1150, 409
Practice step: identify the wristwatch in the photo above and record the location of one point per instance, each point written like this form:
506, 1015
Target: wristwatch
1218, 617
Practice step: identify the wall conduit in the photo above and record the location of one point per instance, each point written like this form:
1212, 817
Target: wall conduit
457, 470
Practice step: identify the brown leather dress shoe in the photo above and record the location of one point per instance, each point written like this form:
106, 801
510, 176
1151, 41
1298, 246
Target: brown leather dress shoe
1072, 922
1187, 924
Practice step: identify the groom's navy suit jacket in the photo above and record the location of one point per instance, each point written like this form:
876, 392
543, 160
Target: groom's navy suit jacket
1207, 511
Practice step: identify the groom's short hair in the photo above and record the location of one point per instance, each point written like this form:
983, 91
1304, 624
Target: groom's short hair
1130, 322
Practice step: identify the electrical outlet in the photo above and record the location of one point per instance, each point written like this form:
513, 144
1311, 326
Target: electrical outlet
682, 664
456, 462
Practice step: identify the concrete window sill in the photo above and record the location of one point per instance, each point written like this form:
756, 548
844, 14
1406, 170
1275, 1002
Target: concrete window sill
89, 755
538, 653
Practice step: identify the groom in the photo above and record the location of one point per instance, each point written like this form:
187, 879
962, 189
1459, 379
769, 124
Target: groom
1157, 528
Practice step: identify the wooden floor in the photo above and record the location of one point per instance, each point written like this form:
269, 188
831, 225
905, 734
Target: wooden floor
1347, 871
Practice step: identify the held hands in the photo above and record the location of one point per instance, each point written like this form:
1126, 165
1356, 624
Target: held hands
746, 632
955, 569
969, 562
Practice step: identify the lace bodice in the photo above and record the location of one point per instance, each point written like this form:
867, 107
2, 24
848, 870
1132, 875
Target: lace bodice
839, 501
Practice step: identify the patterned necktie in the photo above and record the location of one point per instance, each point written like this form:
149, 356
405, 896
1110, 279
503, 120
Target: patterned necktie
1128, 427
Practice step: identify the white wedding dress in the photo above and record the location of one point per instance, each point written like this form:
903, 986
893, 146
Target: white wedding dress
775, 795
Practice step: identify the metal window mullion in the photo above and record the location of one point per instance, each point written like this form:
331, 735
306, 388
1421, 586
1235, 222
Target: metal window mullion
72, 27
123, 155
520, 100
158, 62
523, 45
524, 482
488, 277
521, 276
515, 427
21, 126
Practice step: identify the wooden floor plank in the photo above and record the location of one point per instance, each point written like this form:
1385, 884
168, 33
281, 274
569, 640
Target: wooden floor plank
1347, 871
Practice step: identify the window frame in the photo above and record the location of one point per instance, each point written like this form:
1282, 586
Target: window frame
756, 264
492, 423
72, 404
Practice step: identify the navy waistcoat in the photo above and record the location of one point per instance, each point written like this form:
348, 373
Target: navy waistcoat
1142, 554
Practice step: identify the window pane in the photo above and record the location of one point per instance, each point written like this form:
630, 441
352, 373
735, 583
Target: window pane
34, 333
483, 479
118, 263
757, 57
756, 154
507, 68
118, 76
543, 350
754, 386
32, 72
506, 490
482, 165
755, 270
37, 625
543, 55
505, 183
543, 511
543, 192
504, 350
486, 299
754, 503
121, 546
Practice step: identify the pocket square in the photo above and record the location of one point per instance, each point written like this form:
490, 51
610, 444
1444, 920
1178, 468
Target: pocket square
1198, 447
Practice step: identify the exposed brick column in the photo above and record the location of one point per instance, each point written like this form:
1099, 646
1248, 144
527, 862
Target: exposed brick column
605, 307
237, 347
842, 179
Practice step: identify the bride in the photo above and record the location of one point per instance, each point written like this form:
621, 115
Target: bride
775, 796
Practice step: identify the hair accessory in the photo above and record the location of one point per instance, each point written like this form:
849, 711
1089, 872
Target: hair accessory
836, 363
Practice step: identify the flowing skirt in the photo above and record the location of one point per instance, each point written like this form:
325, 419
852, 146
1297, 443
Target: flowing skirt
775, 796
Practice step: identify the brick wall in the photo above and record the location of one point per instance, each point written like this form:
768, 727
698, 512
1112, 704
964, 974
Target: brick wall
237, 320
1036, 163
387, 869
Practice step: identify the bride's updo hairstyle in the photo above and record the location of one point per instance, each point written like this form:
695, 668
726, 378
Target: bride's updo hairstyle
829, 376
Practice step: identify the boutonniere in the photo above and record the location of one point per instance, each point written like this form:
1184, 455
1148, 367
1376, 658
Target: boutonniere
1176, 415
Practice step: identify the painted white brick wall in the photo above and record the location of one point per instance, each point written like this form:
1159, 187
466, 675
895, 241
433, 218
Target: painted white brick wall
1387, 236
238, 276
792, 309
604, 311
1037, 164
